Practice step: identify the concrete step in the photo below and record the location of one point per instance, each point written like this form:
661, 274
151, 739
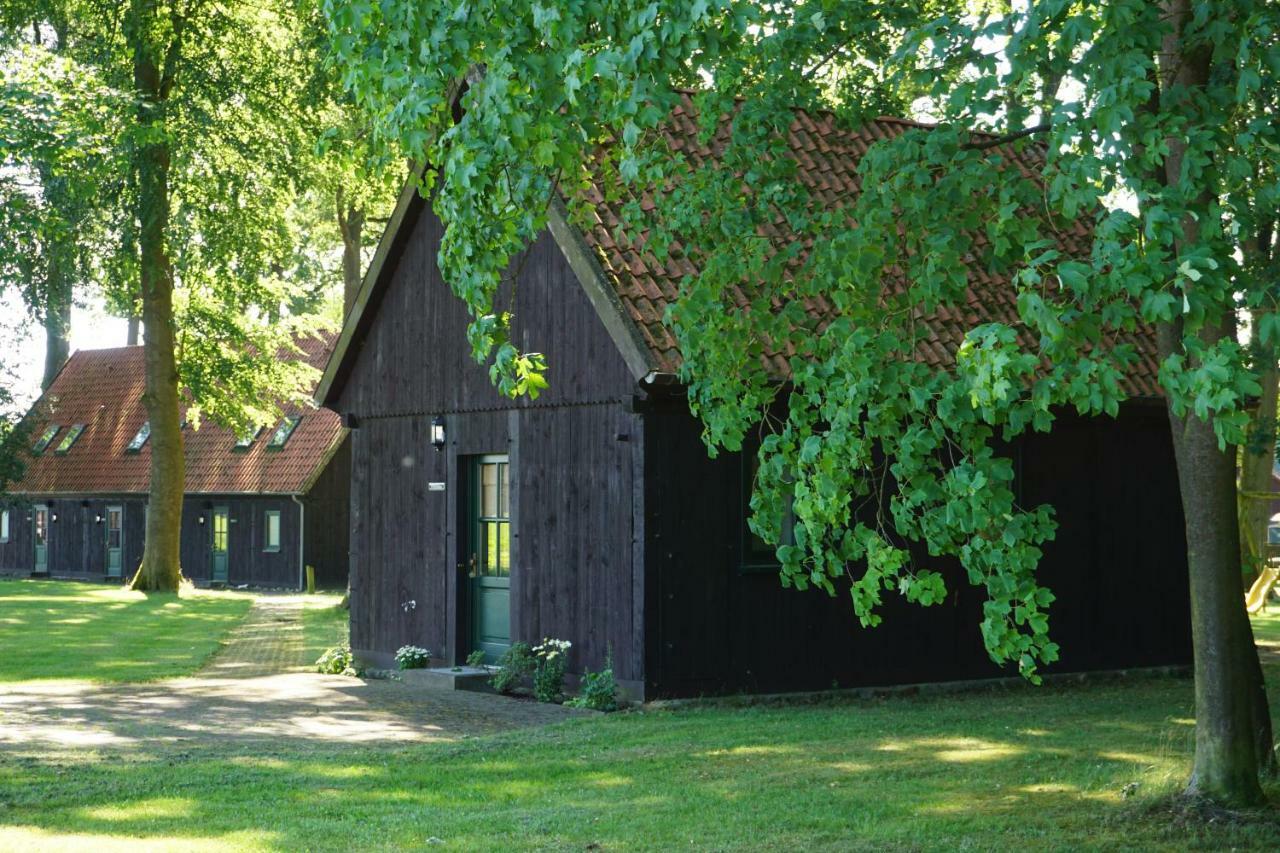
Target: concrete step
475, 679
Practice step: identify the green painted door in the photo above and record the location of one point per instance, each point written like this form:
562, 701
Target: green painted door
218, 544
115, 541
490, 560
40, 535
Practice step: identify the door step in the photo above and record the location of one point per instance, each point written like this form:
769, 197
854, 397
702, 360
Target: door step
470, 678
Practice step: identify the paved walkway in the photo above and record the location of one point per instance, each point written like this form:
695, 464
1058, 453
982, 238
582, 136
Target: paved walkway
255, 695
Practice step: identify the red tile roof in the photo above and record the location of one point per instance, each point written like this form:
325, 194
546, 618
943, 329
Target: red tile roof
827, 158
103, 390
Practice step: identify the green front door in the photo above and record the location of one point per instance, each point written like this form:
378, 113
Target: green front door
40, 535
221, 530
115, 541
490, 560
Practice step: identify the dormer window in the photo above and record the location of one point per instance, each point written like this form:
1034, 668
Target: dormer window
144, 432
46, 438
282, 433
246, 441
69, 439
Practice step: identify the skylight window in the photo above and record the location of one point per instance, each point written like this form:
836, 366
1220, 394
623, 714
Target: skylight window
282, 433
45, 438
244, 442
144, 432
70, 438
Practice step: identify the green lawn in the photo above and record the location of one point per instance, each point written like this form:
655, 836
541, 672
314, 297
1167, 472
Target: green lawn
1041, 769
59, 629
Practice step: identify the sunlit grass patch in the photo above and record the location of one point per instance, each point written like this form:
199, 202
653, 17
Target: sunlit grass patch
56, 629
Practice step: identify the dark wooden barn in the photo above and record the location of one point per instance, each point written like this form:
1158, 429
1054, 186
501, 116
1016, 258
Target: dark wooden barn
594, 514
257, 511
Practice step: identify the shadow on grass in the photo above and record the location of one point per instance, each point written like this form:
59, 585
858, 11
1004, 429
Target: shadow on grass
1048, 768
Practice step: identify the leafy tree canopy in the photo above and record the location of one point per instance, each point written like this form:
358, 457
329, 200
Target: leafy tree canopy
556, 86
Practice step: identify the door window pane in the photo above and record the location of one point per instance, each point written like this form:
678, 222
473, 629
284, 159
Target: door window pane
4, 525
113, 527
42, 520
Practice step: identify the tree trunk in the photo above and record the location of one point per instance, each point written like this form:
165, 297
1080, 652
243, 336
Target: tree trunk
57, 322
1226, 765
351, 227
131, 337
160, 568
1225, 768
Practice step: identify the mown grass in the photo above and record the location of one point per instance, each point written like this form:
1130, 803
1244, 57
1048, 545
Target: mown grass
59, 629
1055, 768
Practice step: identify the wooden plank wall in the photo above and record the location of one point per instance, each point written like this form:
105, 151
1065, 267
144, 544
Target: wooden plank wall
247, 562
327, 529
572, 482
76, 542
1118, 567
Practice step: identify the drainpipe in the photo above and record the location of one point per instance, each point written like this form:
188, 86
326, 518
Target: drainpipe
302, 542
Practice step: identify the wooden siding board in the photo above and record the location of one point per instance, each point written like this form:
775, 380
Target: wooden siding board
327, 531
414, 363
1115, 491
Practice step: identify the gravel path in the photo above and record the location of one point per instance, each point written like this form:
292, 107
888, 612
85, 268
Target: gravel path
255, 695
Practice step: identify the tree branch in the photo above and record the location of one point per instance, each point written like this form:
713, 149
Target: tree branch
984, 144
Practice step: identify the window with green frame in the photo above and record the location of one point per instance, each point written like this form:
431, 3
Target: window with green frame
758, 555
493, 521
4, 525
271, 530
46, 438
70, 438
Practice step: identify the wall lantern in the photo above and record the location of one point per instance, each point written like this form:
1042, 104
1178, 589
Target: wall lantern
200, 519
53, 517
437, 433
97, 518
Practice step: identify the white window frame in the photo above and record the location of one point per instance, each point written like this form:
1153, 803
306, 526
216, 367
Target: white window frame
267, 545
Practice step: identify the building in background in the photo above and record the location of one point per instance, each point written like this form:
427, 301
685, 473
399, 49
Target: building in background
258, 509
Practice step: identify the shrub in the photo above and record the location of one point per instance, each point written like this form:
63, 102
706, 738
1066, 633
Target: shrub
337, 661
515, 663
412, 657
548, 671
599, 690
476, 659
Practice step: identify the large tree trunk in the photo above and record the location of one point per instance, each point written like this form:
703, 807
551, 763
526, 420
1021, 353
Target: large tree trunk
1225, 767
57, 322
131, 336
351, 227
160, 568
1226, 760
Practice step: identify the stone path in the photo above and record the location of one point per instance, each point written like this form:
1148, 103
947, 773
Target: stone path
256, 695
269, 641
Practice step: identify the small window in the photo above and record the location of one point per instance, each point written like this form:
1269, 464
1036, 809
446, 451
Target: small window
4, 525
46, 438
144, 432
70, 438
282, 433
1273, 533
246, 441
271, 535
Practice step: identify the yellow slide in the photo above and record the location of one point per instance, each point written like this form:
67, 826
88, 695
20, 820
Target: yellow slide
1256, 598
